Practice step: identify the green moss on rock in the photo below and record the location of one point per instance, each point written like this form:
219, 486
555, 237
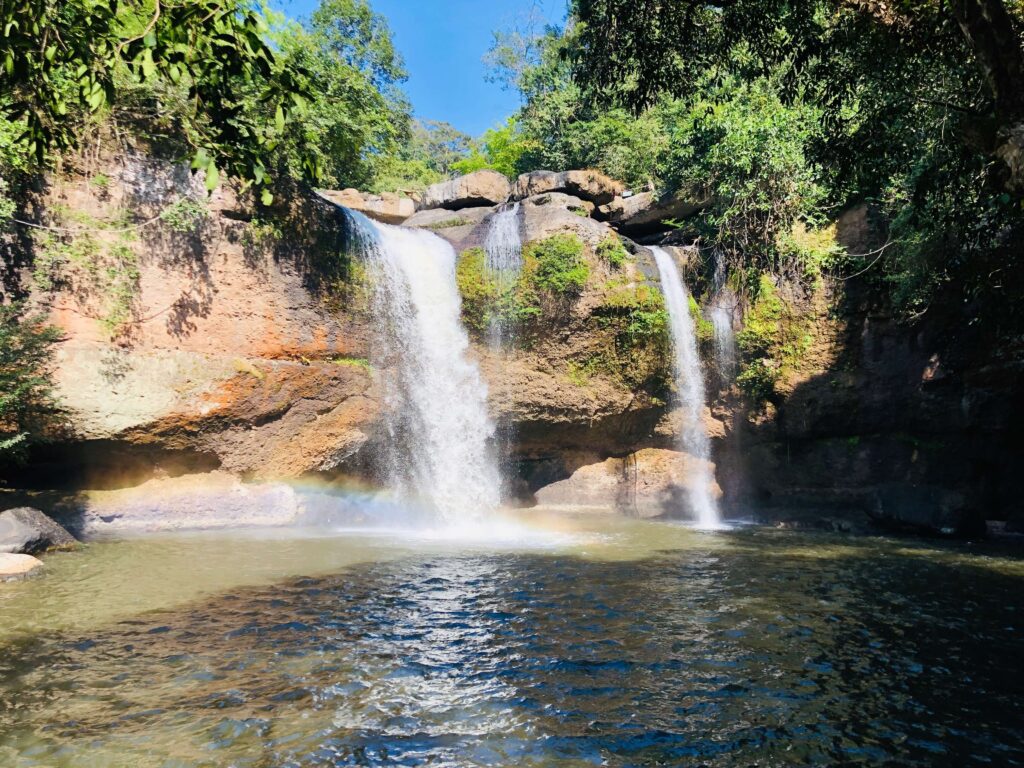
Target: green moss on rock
485, 299
773, 341
634, 328
557, 264
612, 251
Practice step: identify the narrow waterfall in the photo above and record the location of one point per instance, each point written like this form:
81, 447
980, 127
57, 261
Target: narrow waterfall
690, 386
438, 432
722, 313
504, 249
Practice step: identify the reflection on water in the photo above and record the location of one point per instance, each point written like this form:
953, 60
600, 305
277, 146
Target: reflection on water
640, 645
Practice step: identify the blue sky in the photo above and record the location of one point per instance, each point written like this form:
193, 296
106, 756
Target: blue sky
442, 42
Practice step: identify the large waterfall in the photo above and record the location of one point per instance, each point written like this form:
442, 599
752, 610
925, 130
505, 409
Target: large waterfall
437, 450
690, 386
504, 249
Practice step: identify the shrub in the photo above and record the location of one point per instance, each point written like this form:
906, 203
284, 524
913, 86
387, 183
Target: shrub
636, 343
757, 380
455, 221
761, 325
26, 392
613, 251
702, 327
185, 215
813, 251
557, 265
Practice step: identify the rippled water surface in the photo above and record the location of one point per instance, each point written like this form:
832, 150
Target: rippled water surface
618, 643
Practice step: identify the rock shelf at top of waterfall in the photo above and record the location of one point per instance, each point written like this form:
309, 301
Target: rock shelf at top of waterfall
690, 389
436, 445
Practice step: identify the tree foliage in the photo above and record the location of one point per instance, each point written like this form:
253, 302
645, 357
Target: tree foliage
355, 118
65, 58
634, 51
26, 350
916, 108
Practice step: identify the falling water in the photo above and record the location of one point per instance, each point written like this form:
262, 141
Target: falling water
504, 248
437, 427
690, 386
721, 313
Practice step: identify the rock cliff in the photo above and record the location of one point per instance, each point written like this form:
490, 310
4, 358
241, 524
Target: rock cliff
211, 339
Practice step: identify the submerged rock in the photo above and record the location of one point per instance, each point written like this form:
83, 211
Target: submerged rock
387, 208
589, 185
28, 531
474, 189
17, 566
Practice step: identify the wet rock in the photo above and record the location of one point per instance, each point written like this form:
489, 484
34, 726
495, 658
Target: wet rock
646, 212
924, 508
387, 208
474, 189
17, 566
210, 501
588, 185
652, 482
453, 226
28, 531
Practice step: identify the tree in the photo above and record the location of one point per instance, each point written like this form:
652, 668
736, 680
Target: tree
634, 51
70, 56
441, 145
514, 51
499, 149
356, 118
26, 399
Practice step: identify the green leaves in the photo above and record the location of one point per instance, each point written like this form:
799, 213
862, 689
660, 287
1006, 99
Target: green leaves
26, 398
215, 49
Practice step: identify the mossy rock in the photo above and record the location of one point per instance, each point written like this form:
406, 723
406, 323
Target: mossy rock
773, 341
554, 271
635, 343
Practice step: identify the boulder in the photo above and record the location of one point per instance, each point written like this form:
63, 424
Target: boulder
212, 501
472, 190
590, 185
387, 208
645, 213
17, 566
653, 482
576, 205
28, 531
453, 226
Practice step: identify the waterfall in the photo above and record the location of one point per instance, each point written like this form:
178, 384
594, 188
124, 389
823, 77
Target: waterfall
721, 314
690, 386
504, 249
437, 447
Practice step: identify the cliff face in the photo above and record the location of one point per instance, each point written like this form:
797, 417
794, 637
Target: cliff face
905, 425
194, 341
207, 340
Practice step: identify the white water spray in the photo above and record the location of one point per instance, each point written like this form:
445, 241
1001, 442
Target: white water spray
438, 430
504, 249
504, 245
690, 386
722, 312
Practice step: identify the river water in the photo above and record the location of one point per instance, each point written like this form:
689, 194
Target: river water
569, 642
